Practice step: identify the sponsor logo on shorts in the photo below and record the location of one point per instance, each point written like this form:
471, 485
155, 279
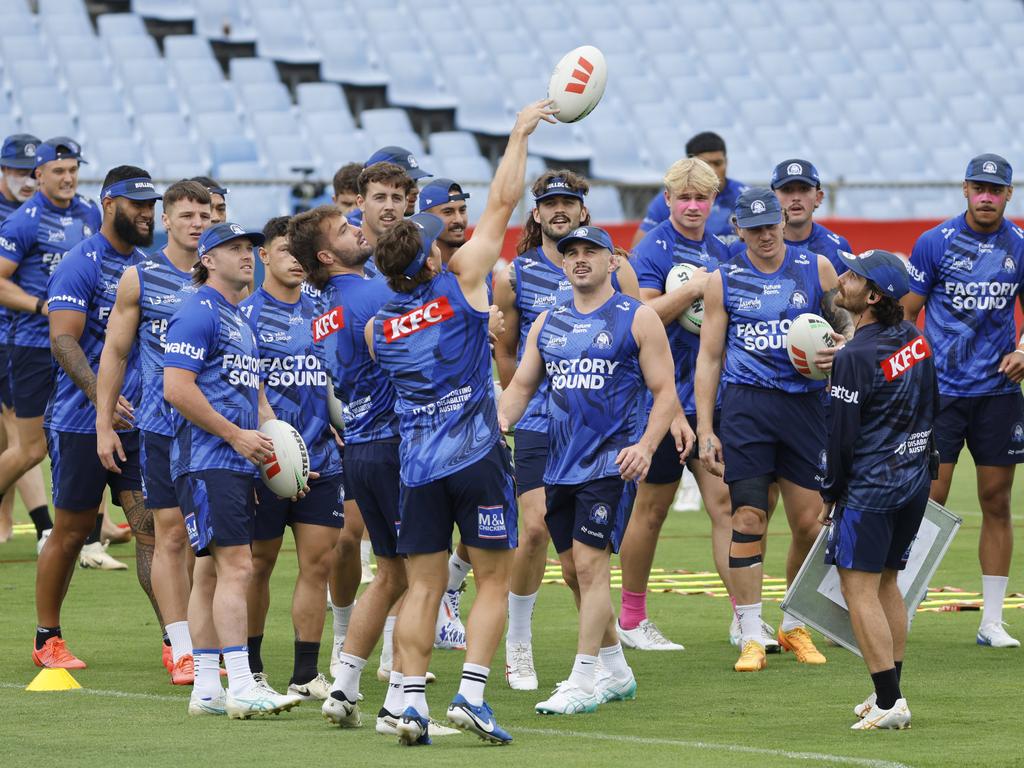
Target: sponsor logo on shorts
191, 528
599, 514
490, 522
823, 460
1018, 433
327, 324
421, 318
905, 358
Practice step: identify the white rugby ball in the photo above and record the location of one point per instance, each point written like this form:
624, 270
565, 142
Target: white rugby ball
287, 470
334, 408
679, 275
577, 84
808, 335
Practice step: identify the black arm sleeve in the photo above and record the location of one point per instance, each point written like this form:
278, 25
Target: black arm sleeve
852, 378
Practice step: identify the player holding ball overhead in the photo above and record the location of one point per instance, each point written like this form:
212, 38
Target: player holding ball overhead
773, 418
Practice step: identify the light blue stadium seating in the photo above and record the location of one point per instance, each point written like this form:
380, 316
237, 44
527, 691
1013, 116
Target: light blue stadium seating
166, 10
152, 99
188, 71
209, 97
264, 97
252, 70
604, 205
41, 99
233, 149
445, 144
224, 20
467, 168
44, 125
96, 126
111, 25
98, 99
104, 154
416, 81
78, 74
216, 124
321, 97
385, 121
141, 47
272, 124
132, 72
158, 127
282, 35
252, 206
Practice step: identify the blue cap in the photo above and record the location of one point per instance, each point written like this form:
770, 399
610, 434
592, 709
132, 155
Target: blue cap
58, 148
757, 207
430, 227
884, 269
401, 157
558, 186
990, 169
223, 233
439, 192
19, 151
795, 170
594, 235
140, 188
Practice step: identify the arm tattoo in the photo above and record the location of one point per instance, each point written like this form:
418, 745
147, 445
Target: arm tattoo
837, 317
69, 355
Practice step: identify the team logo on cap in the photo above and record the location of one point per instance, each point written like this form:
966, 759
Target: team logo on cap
30, 150
412, 162
581, 232
794, 169
988, 167
757, 207
235, 229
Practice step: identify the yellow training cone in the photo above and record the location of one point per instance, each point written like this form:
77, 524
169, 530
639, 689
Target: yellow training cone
53, 680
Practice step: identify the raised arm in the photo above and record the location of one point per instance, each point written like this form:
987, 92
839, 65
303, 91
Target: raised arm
473, 261
523, 385
709, 372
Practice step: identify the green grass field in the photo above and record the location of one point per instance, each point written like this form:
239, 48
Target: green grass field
692, 708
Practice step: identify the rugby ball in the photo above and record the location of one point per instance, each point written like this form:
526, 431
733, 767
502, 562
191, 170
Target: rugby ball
808, 335
679, 275
285, 473
334, 409
577, 84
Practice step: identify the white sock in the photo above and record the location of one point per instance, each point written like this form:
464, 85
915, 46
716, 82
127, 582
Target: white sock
458, 570
584, 670
394, 701
789, 623
520, 618
349, 672
364, 553
416, 693
181, 640
474, 678
236, 662
207, 682
388, 642
993, 592
341, 617
750, 622
614, 660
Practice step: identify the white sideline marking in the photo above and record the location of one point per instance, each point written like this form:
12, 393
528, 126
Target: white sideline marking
817, 757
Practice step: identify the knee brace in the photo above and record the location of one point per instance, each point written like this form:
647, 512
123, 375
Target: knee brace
745, 549
750, 492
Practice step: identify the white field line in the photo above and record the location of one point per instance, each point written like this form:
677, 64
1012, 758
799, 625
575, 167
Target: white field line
816, 757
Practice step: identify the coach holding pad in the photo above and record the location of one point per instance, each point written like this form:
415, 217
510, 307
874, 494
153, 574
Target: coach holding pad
884, 401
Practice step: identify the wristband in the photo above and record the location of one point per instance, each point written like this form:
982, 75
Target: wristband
40, 303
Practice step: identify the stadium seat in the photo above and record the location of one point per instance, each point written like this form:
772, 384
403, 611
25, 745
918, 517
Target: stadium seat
111, 25
385, 121
92, 127
151, 99
417, 83
604, 205
453, 42
8, 124
44, 124
187, 72
224, 20
445, 144
321, 97
103, 154
44, 99
166, 10
132, 72
336, 121
252, 206
468, 168
20, 25
76, 47
233, 149
98, 100
284, 155
351, 64
337, 149
407, 139
265, 97
209, 97
20, 75
22, 48
61, 7
477, 201
617, 156
58, 26
281, 35
558, 144
79, 74
217, 124
482, 107
253, 70
157, 127
274, 124
132, 48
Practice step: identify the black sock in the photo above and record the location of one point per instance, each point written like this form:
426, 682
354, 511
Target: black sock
97, 531
41, 520
255, 660
887, 688
306, 655
45, 633
899, 671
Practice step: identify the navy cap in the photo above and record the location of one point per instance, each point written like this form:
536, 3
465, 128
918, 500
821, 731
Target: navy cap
430, 227
594, 235
401, 157
58, 148
558, 186
795, 170
19, 151
757, 207
224, 233
990, 169
439, 192
884, 269
140, 189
